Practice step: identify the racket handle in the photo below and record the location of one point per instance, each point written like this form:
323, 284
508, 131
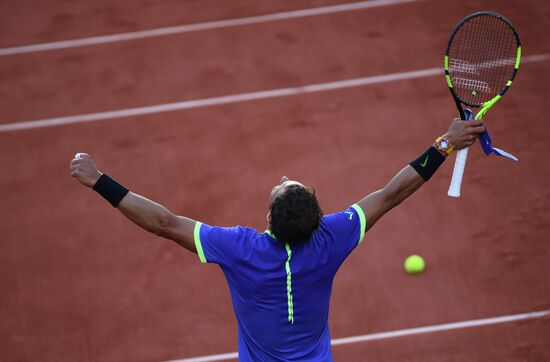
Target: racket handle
458, 173
460, 163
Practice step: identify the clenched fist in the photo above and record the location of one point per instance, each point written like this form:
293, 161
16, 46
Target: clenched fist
463, 134
84, 169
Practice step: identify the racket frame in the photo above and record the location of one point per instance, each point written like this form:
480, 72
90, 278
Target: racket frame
488, 104
460, 163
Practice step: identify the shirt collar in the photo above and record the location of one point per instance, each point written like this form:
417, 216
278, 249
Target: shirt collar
268, 232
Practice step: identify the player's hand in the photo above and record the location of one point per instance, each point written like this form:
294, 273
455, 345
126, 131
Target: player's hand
463, 134
84, 169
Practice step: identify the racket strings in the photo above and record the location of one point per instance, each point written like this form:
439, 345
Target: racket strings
482, 56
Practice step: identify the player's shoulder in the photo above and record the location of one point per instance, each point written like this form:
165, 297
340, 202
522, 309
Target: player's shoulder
345, 221
228, 233
254, 245
352, 213
249, 231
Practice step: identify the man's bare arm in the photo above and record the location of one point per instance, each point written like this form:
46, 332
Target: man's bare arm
145, 213
401, 186
461, 134
158, 220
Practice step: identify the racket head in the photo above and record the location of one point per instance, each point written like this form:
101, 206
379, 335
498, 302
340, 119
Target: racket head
482, 58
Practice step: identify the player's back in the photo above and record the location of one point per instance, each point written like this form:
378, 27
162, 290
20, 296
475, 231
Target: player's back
281, 298
281, 291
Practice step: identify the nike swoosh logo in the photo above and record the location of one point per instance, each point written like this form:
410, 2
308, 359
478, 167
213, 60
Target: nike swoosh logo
423, 164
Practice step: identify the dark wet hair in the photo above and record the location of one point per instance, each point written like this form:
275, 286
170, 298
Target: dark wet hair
295, 214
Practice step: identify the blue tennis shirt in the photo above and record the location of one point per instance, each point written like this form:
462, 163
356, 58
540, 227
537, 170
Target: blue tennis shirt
281, 292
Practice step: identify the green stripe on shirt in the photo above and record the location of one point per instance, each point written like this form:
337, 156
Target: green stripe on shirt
290, 302
289, 285
198, 244
362, 219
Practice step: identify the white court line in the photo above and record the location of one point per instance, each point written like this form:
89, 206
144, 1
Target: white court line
198, 27
397, 333
235, 98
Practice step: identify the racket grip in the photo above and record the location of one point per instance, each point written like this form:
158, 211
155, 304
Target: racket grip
460, 163
458, 172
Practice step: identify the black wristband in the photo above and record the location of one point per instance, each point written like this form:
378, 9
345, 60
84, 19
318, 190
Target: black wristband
428, 163
111, 190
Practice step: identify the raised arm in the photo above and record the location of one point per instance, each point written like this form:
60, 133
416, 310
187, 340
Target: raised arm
461, 134
148, 214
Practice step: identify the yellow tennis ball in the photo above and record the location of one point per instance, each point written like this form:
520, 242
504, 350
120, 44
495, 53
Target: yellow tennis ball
414, 264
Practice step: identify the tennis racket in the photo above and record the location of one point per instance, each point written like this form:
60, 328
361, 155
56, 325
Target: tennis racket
481, 61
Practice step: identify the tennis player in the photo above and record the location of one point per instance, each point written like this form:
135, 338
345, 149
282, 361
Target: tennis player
281, 280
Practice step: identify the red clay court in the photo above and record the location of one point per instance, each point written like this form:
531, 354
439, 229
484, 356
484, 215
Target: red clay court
203, 106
